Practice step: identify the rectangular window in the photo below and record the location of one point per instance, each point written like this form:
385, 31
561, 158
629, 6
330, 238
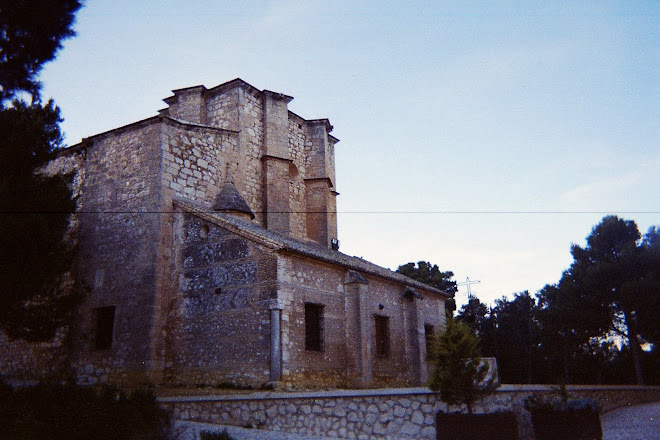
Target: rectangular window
105, 323
382, 336
313, 327
428, 332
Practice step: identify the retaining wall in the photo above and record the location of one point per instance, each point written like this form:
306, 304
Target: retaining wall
402, 413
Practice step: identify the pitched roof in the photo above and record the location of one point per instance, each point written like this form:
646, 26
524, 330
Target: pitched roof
285, 244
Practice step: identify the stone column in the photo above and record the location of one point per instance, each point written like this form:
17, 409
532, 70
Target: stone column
358, 330
275, 344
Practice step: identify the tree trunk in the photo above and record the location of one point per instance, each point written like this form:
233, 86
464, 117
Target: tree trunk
529, 350
635, 348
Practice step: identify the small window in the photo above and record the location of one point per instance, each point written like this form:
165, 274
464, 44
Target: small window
313, 327
428, 332
105, 322
382, 336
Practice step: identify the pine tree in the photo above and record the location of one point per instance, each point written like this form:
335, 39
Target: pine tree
35, 299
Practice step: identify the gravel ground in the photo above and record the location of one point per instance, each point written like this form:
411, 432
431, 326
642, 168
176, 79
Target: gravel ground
639, 422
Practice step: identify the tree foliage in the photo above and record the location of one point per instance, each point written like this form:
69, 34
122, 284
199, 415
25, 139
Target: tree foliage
35, 297
459, 374
426, 273
573, 331
517, 330
481, 321
31, 33
619, 274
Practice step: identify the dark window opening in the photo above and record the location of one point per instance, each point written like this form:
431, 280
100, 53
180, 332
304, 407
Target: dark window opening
313, 327
428, 332
382, 336
105, 322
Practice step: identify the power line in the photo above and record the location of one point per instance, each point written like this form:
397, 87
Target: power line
356, 212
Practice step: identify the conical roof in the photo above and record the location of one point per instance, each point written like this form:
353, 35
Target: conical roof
230, 201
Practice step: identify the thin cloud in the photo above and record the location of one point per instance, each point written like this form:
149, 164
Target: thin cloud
608, 193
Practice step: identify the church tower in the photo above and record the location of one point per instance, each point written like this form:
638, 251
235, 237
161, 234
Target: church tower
285, 166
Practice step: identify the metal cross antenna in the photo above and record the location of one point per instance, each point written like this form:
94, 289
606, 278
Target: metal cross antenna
467, 283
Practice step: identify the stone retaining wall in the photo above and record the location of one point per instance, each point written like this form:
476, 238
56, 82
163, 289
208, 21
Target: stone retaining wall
404, 413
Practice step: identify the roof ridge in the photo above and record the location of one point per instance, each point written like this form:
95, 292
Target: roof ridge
285, 243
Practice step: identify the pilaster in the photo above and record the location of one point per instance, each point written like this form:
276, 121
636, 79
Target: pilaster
318, 200
415, 337
276, 161
358, 336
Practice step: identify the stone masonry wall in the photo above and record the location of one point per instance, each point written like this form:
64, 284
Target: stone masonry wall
118, 232
251, 138
393, 414
239, 107
302, 281
25, 363
115, 227
297, 141
241, 110
391, 370
306, 281
220, 326
195, 161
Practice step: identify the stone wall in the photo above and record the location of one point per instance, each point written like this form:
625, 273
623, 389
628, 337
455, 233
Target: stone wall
303, 281
219, 326
26, 363
240, 110
196, 310
119, 205
266, 130
297, 142
349, 355
115, 228
196, 160
406, 413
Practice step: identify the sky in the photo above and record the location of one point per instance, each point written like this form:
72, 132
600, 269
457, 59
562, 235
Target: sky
482, 136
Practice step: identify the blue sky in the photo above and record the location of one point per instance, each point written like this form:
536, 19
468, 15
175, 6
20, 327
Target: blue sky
483, 136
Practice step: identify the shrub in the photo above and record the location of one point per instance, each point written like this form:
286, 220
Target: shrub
459, 373
208, 435
54, 411
565, 418
539, 403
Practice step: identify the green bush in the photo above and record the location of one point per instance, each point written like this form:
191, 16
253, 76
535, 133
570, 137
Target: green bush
53, 411
459, 374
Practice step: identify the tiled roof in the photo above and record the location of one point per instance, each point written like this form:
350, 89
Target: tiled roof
285, 244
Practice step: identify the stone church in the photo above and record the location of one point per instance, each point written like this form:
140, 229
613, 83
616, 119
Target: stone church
207, 240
